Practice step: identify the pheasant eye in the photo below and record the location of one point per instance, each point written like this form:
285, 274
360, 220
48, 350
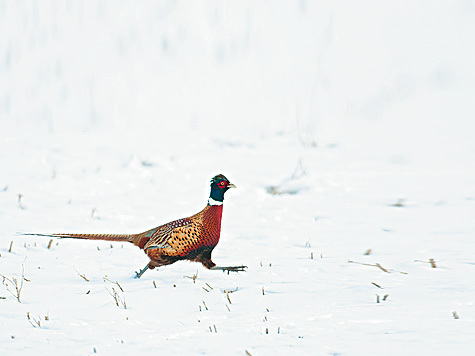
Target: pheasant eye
222, 184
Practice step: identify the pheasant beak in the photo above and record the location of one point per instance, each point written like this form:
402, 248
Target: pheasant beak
231, 185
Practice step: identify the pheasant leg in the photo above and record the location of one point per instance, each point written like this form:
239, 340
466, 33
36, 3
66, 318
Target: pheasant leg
142, 271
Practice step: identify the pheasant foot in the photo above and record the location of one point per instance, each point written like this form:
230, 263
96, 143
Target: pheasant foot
230, 268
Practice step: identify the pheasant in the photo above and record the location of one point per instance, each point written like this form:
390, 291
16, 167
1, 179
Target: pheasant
192, 238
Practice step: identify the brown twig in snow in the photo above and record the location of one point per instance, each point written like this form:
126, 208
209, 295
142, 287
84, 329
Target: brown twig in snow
193, 277
118, 285
19, 201
431, 262
377, 265
118, 300
81, 275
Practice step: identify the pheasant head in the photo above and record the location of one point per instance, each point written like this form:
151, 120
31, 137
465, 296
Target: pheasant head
219, 185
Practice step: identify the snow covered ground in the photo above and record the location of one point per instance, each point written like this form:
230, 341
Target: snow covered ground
347, 127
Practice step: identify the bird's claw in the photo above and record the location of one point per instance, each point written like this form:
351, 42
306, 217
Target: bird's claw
231, 268
236, 269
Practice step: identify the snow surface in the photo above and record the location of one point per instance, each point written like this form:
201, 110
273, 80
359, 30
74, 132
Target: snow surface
115, 115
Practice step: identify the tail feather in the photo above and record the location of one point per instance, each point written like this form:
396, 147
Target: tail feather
106, 237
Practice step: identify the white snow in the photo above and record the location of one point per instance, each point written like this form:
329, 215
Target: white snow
115, 116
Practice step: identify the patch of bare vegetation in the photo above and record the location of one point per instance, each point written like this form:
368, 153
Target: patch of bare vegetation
37, 322
14, 286
119, 301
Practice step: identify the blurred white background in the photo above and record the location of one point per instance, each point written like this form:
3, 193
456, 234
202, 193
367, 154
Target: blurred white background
231, 69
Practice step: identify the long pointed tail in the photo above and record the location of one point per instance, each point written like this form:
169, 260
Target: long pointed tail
107, 237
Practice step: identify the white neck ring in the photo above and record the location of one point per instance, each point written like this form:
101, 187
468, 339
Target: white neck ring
211, 201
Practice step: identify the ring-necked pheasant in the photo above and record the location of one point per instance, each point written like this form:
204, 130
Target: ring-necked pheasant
192, 238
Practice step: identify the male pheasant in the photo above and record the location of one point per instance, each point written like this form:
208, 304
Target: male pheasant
192, 238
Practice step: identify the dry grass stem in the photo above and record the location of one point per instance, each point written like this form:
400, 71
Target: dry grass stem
455, 315
376, 285
193, 277
367, 252
117, 283
384, 298
82, 275
230, 291
36, 323
19, 201
118, 300
382, 268
18, 285
377, 265
399, 203
431, 262
50, 243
